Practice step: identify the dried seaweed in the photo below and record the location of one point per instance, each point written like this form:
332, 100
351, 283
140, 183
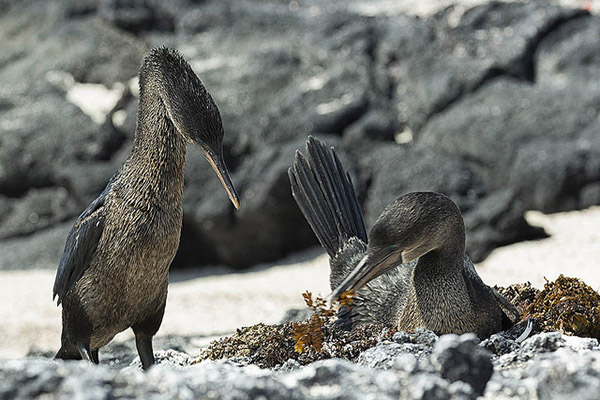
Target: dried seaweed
270, 345
521, 295
310, 333
265, 345
567, 305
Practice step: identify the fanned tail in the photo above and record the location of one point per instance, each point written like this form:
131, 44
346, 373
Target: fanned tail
325, 195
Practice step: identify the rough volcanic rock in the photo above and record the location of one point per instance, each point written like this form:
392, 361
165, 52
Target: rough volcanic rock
269, 224
571, 49
548, 365
461, 359
34, 251
431, 63
496, 106
302, 72
53, 158
511, 142
39, 209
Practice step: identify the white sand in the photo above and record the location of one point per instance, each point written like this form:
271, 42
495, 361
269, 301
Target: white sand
198, 302
573, 249
207, 304
430, 7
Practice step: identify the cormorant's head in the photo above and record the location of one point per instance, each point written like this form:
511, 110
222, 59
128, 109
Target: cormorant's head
190, 108
407, 229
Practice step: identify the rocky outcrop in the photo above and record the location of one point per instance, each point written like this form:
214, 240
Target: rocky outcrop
412, 366
496, 106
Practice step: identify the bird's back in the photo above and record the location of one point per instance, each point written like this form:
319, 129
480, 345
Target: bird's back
491, 302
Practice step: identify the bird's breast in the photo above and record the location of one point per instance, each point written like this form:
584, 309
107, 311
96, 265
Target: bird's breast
129, 274
437, 302
147, 236
136, 249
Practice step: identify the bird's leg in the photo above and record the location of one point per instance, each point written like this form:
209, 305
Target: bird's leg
144, 347
143, 336
95, 358
84, 351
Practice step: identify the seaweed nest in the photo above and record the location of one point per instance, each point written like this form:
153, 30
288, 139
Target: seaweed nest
567, 305
268, 346
307, 341
521, 295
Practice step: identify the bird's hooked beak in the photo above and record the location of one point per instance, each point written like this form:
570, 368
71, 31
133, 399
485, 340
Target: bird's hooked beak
218, 165
366, 270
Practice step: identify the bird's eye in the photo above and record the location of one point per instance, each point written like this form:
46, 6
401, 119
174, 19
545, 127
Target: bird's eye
393, 247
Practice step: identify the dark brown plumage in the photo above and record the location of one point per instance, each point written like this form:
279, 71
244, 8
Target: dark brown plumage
114, 271
413, 272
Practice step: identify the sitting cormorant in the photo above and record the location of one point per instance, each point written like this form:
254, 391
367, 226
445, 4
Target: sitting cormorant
413, 272
114, 271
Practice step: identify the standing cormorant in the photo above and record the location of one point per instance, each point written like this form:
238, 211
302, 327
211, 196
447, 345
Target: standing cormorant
412, 272
114, 271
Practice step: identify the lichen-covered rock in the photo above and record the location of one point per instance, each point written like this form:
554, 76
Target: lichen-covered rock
567, 372
499, 344
420, 336
381, 357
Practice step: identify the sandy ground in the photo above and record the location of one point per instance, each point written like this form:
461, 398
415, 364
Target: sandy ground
214, 302
573, 249
426, 8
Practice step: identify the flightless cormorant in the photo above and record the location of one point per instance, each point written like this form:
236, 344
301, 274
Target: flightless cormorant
411, 270
114, 271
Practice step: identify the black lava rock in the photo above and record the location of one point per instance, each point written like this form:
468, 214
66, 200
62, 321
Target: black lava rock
460, 358
496, 106
457, 369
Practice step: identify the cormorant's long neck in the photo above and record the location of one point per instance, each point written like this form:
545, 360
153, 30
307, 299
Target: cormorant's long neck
438, 293
445, 263
157, 162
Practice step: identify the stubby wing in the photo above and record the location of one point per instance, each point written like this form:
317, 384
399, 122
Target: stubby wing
510, 314
82, 242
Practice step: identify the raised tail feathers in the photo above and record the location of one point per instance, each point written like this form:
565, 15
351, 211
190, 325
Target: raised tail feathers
325, 195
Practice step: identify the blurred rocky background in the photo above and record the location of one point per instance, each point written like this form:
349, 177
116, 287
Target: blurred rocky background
495, 105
